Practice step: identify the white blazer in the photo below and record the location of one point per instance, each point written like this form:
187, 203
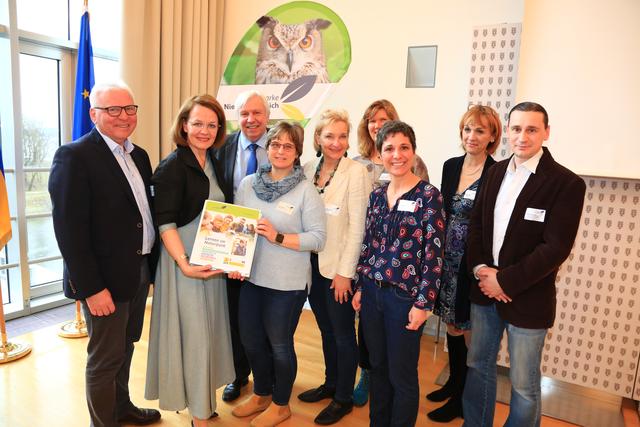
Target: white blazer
345, 200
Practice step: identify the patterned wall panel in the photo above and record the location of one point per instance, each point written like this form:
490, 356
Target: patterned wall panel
494, 68
596, 338
595, 341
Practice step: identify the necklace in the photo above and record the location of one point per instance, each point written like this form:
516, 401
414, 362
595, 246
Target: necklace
475, 171
316, 177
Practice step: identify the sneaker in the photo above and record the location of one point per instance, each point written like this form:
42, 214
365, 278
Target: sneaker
361, 392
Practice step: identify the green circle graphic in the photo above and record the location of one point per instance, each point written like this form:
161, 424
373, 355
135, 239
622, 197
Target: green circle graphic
336, 42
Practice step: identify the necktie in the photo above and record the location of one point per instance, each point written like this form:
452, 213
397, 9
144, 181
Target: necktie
252, 164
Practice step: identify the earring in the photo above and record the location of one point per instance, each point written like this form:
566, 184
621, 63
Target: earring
318, 153
345, 154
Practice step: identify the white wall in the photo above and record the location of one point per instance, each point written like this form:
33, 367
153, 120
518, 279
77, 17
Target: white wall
581, 60
380, 34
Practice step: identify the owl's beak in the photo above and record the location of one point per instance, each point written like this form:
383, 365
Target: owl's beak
289, 59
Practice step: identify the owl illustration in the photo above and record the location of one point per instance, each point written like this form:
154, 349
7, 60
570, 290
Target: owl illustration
290, 51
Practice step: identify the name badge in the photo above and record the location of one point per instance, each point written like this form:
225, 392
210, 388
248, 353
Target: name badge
285, 207
332, 210
470, 194
533, 214
384, 176
407, 206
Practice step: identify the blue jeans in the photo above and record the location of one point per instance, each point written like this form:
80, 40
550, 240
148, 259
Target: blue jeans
394, 351
525, 352
336, 322
268, 320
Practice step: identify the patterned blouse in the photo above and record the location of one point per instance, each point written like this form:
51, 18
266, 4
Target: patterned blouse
405, 248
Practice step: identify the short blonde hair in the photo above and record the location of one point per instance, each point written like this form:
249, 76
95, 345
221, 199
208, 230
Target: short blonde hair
326, 118
475, 113
366, 145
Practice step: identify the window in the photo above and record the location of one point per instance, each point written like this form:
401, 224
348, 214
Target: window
35, 119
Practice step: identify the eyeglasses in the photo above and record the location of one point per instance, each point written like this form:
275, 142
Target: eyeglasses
276, 146
115, 110
200, 126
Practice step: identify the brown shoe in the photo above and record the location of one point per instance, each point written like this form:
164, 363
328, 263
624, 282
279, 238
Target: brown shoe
274, 415
252, 405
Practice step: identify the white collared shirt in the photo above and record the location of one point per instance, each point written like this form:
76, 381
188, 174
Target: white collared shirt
513, 182
242, 157
122, 154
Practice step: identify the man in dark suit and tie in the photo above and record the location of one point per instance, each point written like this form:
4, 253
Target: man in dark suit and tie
99, 187
242, 153
522, 229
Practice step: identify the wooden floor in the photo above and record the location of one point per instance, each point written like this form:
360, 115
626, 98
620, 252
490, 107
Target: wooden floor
46, 388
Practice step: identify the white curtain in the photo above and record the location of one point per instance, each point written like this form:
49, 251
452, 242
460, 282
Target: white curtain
171, 50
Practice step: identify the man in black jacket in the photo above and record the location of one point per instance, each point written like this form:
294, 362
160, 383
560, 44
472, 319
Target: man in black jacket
523, 226
99, 187
242, 153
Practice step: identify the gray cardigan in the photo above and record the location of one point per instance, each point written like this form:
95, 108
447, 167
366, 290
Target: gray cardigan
274, 266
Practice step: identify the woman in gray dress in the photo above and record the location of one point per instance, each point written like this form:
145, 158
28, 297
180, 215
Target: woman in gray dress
189, 343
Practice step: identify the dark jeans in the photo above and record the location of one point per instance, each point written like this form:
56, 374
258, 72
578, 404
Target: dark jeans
240, 361
268, 320
109, 355
363, 350
394, 352
336, 322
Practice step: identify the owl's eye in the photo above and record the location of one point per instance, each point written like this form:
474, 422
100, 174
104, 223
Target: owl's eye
306, 42
273, 42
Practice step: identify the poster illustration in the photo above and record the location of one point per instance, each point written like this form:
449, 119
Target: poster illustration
226, 237
294, 55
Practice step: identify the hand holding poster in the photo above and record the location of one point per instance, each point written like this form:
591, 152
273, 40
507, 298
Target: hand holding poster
226, 237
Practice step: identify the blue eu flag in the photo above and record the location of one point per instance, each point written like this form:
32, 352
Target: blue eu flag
84, 81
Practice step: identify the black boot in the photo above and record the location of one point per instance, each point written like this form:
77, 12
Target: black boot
458, 357
446, 391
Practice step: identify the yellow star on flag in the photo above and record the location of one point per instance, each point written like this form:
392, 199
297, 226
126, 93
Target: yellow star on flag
85, 94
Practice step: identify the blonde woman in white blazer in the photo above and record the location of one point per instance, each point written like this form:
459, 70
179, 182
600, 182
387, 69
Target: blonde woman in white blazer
344, 187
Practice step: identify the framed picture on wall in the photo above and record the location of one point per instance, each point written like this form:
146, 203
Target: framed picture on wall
421, 66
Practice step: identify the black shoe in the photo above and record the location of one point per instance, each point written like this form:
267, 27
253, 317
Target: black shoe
140, 416
317, 394
232, 391
448, 412
442, 394
333, 413
457, 369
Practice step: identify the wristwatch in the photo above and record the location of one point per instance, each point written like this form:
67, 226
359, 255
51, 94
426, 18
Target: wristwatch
279, 238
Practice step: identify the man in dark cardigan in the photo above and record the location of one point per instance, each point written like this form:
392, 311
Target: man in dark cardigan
522, 229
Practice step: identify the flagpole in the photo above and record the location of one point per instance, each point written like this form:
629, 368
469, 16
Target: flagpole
74, 328
81, 125
10, 351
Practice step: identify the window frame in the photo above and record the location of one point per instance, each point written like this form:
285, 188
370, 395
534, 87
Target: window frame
26, 299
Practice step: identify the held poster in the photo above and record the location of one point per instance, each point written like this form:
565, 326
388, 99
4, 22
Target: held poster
226, 237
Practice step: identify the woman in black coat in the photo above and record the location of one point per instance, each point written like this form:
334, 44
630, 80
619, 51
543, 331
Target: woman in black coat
480, 131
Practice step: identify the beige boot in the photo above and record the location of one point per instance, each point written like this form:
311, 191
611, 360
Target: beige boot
274, 415
252, 405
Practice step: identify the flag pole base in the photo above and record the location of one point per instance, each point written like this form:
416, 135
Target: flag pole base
13, 351
73, 329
